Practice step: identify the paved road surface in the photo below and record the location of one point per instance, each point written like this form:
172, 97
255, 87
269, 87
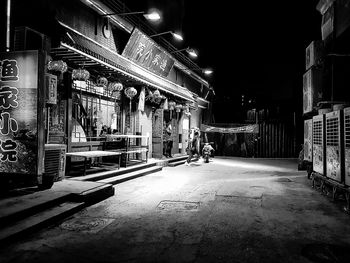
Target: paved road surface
230, 210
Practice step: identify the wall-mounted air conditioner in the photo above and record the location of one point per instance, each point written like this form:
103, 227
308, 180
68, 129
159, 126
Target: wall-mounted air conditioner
308, 140
334, 147
55, 160
26, 38
312, 89
314, 54
318, 144
346, 140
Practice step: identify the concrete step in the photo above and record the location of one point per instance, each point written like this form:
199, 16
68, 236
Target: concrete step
117, 172
16, 208
94, 195
125, 177
176, 159
39, 220
173, 164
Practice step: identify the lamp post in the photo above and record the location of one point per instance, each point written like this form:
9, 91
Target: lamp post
177, 36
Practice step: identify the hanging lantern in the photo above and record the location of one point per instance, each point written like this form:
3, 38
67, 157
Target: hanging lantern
57, 65
156, 94
178, 107
102, 82
171, 105
80, 74
130, 92
116, 86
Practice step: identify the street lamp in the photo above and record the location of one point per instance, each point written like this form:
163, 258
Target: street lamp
190, 51
175, 35
153, 16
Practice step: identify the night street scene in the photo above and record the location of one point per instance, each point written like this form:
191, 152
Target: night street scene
174, 131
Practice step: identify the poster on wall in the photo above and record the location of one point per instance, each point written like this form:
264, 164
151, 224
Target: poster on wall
18, 112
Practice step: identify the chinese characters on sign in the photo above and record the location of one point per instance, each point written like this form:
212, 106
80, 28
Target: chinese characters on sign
8, 99
19, 112
144, 52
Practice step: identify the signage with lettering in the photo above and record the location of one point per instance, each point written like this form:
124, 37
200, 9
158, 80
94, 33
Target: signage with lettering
18, 112
145, 52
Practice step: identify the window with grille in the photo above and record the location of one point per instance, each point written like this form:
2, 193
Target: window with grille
317, 132
347, 130
332, 132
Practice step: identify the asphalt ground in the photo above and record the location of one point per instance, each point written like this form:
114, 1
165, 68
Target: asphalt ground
228, 210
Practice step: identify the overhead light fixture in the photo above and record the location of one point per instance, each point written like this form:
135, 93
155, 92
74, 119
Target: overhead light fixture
153, 16
175, 35
190, 51
207, 71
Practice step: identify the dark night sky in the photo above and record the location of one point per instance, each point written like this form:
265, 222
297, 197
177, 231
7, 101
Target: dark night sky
256, 48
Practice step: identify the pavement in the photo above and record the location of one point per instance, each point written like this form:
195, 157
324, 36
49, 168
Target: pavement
25, 210
229, 210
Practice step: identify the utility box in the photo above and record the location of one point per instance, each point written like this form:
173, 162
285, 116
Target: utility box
346, 141
308, 140
318, 144
334, 145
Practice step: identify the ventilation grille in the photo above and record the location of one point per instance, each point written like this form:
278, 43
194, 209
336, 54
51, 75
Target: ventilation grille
332, 132
52, 162
347, 131
317, 132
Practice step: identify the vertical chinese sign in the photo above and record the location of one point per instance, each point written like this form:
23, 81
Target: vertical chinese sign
146, 53
18, 112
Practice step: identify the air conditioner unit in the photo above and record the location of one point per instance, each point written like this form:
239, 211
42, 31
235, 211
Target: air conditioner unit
328, 23
26, 38
346, 140
314, 54
308, 140
55, 160
312, 89
318, 144
334, 147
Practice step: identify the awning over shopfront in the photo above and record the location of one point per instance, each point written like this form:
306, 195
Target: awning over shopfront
87, 53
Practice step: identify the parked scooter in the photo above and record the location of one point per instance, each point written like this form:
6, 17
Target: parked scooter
206, 155
206, 152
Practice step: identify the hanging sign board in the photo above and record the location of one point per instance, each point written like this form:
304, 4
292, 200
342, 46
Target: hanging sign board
253, 128
145, 52
19, 110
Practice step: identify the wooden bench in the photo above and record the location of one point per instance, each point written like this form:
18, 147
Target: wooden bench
93, 154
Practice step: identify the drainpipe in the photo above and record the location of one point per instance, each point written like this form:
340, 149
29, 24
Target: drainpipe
8, 18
